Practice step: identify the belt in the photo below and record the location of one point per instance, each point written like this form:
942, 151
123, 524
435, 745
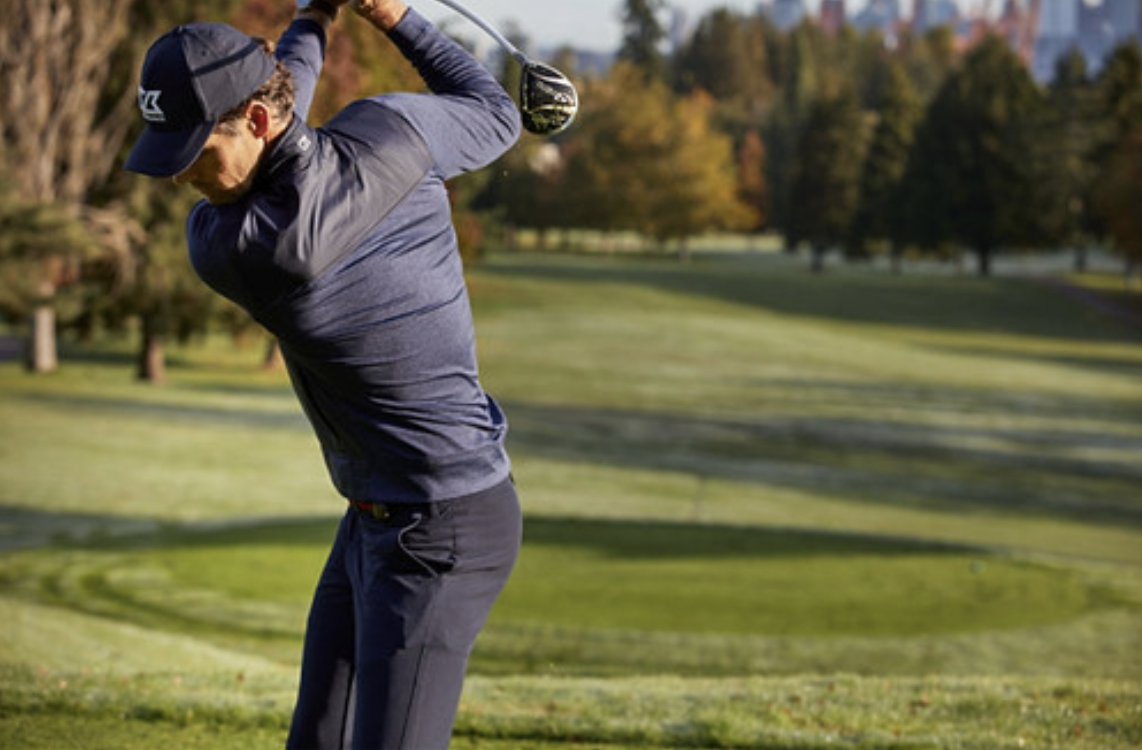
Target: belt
385, 511
379, 511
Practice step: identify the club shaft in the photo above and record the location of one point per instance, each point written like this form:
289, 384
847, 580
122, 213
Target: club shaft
488, 29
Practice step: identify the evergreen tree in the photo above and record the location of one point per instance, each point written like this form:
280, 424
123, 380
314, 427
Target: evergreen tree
967, 180
642, 37
1065, 165
1119, 84
898, 114
1118, 88
929, 58
800, 86
44, 247
826, 185
716, 58
1117, 199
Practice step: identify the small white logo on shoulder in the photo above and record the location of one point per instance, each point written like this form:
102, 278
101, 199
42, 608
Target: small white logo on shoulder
304, 143
149, 104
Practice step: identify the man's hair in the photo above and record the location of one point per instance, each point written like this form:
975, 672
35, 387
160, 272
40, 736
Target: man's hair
276, 93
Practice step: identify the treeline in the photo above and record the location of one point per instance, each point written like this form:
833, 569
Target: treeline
844, 143
849, 143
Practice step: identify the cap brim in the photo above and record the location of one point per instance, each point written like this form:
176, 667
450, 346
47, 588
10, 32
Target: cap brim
165, 153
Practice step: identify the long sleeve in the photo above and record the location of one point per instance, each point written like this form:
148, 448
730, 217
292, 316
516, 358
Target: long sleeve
302, 50
470, 120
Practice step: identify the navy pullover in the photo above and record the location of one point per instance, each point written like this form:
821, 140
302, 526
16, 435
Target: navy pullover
344, 250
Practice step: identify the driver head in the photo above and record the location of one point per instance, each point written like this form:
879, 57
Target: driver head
548, 101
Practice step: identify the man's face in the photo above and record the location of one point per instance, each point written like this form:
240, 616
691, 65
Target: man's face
225, 169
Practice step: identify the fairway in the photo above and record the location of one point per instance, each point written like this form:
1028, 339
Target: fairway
763, 509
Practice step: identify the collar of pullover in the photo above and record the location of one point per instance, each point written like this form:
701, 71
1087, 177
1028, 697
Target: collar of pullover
294, 147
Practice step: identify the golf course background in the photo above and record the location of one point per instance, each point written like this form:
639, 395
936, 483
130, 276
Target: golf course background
764, 509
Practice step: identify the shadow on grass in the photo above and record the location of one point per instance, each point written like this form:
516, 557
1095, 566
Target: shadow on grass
943, 303
121, 354
1120, 366
672, 540
289, 416
947, 467
614, 538
703, 581
28, 528
1068, 472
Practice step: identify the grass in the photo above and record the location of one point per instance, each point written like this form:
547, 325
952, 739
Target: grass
764, 509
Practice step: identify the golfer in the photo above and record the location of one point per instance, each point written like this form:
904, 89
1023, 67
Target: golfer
339, 241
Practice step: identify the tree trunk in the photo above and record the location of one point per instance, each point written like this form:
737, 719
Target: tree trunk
1081, 253
984, 254
684, 251
152, 355
42, 354
818, 262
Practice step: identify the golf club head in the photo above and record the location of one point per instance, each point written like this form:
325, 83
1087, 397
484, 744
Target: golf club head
548, 101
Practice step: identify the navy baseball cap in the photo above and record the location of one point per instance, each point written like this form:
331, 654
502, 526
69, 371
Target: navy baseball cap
193, 75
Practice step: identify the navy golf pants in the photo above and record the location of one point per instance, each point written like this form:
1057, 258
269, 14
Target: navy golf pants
395, 615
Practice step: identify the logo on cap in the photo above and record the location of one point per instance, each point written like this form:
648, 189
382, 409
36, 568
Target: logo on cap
149, 104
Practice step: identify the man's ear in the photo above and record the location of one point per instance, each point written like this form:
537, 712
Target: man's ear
259, 119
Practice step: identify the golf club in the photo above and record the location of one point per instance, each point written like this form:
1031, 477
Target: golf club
548, 101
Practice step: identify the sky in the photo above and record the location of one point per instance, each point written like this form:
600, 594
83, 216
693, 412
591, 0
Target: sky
587, 24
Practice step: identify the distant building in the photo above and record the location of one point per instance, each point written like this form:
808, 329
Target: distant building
832, 16
928, 14
1039, 31
1121, 18
1059, 19
785, 14
1102, 27
883, 15
1058, 35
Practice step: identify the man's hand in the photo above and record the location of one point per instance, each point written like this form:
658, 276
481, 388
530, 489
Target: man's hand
323, 12
383, 14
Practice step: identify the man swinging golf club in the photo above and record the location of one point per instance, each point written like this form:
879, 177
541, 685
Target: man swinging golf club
339, 241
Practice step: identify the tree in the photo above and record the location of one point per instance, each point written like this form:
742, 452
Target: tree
1065, 164
717, 60
642, 37
530, 190
1119, 84
752, 188
699, 191
70, 70
1117, 198
967, 179
166, 298
640, 159
826, 182
929, 58
799, 79
1118, 91
60, 138
899, 112
61, 130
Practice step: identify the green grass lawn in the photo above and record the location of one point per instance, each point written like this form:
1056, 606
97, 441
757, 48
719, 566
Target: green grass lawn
763, 509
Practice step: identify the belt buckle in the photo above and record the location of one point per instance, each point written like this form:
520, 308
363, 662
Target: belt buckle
379, 511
